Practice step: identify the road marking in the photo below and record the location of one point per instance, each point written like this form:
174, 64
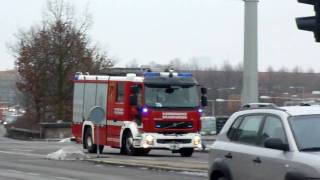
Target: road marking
144, 158
23, 154
65, 178
201, 162
32, 174
15, 171
21, 172
23, 150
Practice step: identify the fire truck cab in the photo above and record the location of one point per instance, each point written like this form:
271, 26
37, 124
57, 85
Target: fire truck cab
158, 110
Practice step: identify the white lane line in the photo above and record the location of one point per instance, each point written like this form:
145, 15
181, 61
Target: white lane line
65, 178
23, 150
32, 174
200, 162
23, 154
21, 172
14, 171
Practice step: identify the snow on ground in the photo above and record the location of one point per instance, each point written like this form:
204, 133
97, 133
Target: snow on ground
68, 153
194, 173
66, 140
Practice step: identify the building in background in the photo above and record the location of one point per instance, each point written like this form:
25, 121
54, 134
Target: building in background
8, 90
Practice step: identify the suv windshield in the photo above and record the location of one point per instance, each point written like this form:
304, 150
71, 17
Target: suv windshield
306, 130
171, 96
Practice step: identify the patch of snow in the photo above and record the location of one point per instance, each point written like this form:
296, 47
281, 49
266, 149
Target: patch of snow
201, 174
66, 140
68, 153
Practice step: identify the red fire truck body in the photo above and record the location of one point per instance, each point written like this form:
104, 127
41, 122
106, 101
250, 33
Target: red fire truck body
153, 111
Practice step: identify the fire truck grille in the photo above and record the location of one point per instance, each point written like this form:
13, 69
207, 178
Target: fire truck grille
174, 125
174, 141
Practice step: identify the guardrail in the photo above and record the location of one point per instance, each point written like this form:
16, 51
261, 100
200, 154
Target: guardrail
19, 133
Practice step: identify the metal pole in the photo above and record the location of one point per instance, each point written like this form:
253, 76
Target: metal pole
250, 61
98, 145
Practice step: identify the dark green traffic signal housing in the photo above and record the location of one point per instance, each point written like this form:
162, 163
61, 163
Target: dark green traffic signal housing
311, 23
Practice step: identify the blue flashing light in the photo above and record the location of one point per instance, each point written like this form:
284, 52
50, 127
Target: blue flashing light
200, 110
187, 75
145, 110
158, 126
189, 126
76, 77
151, 74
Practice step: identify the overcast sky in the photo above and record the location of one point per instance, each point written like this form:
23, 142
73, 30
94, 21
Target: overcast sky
161, 30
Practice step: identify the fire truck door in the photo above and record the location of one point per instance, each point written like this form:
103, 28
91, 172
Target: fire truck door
115, 112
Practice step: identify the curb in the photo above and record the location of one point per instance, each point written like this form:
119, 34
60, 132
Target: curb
164, 167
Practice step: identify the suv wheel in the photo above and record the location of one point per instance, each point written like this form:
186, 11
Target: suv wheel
222, 178
186, 152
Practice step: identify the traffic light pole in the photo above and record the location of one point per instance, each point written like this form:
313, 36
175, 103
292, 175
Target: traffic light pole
250, 62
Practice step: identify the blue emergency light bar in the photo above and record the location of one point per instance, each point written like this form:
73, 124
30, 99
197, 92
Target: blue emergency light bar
184, 74
76, 77
151, 74
158, 74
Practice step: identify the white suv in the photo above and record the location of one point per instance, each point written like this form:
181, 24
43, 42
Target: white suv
265, 142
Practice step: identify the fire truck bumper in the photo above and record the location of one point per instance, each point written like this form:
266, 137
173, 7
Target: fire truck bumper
168, 141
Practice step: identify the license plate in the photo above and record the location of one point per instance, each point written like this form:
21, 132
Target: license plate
174, 146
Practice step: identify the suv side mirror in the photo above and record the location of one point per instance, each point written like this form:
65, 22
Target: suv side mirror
133, 100
204, 101
276, 143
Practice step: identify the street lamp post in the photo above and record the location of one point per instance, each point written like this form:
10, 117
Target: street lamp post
250, 62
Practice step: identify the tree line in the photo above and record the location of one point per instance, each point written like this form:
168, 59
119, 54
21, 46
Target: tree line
50, 53
47, 57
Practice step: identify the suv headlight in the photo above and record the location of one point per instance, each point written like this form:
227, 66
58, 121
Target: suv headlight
197, 140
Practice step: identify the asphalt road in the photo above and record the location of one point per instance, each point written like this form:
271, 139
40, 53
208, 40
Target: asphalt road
26, 160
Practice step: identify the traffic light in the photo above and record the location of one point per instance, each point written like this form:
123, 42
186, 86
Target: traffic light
311, 23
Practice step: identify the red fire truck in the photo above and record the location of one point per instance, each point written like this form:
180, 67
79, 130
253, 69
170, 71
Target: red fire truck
157, 110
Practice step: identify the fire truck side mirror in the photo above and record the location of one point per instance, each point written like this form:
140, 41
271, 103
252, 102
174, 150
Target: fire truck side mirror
135, 89
133, 100
204, 101
203, 90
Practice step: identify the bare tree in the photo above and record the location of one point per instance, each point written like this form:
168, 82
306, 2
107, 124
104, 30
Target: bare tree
49, 54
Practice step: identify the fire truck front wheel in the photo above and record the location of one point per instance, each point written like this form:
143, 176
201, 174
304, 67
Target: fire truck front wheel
88, 142
186, 152
128, 143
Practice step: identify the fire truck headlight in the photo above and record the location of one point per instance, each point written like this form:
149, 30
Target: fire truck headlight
149, 140
197, 140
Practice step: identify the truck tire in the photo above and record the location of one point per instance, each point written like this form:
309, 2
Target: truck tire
222, 178
88, 142
186, 152
143, 152
101, 147
130, 150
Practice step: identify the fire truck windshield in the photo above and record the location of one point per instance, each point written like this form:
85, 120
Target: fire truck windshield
171, 96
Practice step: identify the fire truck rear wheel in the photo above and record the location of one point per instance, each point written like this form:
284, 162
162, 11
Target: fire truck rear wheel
101, 147
130, 150
186, 152
92, 148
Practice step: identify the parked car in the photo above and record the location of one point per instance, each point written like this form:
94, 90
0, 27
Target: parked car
11, 118
208, 126
263, 142
208, 130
